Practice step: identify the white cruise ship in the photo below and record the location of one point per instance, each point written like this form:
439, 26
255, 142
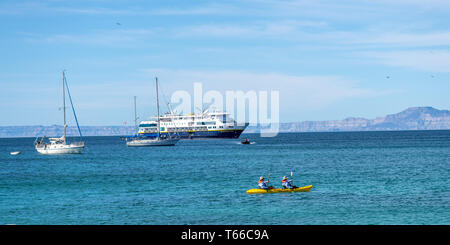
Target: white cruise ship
202, 125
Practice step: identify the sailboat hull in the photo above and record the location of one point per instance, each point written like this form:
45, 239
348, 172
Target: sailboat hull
152, 142
60, 149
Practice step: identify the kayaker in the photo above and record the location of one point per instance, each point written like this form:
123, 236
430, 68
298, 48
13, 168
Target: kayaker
287, 184
263, 184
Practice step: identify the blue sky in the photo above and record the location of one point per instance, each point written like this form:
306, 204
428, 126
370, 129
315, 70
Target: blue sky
329, 59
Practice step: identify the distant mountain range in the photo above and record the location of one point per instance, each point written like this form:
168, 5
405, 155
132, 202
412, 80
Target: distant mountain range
414, 118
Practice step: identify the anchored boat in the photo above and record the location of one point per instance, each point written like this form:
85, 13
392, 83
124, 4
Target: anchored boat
152, 142
245, 141
277, 190
205, 125
139, 140
60, 145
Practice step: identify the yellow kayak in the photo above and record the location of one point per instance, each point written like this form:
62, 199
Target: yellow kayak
277, 190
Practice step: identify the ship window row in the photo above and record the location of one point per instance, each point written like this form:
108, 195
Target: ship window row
146, 130
147, 125
179, 129
206, 123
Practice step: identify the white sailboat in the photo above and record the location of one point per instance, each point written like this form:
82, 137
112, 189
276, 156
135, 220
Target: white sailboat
60, 145
158, 141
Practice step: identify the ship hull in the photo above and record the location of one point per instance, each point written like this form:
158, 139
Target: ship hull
219, 134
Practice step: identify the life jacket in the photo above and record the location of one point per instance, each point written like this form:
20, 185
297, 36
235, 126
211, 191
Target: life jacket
286, 183
262, 184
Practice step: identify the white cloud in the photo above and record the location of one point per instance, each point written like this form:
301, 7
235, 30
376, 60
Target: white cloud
429, 4
300, 91
129, 10
292, 29
96, 37
407, 39
433, 61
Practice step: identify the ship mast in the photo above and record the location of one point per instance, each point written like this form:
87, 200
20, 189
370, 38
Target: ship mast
157, 108
64, 107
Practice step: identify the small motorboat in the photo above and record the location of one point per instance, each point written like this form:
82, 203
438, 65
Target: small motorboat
245, 142
15, 153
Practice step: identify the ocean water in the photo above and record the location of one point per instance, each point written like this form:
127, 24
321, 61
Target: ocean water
359, 178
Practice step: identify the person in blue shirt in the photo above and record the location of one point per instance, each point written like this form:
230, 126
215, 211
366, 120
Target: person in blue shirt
263, 184
287, 184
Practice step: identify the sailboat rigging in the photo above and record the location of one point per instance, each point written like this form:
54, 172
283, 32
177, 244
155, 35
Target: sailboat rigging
59, 145
137, 140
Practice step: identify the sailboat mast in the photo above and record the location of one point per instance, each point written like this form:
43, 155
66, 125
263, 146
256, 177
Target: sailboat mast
157, 107
135, 116
64, 106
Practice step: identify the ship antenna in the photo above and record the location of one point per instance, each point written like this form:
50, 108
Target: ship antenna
170, 108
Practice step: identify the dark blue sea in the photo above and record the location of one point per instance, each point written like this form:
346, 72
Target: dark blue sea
359, 178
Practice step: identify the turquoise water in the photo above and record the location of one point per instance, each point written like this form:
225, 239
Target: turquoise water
358, 178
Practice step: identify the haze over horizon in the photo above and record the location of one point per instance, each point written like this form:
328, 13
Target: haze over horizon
329, 60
